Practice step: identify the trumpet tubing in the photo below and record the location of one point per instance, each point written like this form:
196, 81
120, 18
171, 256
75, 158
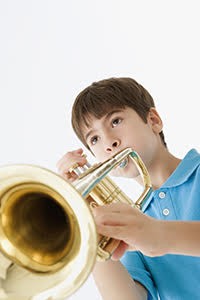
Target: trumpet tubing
47, 228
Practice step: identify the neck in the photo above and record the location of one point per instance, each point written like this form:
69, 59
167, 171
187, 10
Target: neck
164, 165
161, 168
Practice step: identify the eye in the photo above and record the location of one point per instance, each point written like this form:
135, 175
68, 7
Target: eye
116, 121
93, 140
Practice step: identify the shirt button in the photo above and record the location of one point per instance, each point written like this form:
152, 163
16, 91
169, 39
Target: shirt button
166, 212
161, 195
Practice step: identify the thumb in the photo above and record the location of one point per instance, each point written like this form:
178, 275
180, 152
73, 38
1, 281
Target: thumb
119, 252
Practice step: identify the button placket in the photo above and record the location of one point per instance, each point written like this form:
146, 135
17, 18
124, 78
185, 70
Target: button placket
165, 211
161, 195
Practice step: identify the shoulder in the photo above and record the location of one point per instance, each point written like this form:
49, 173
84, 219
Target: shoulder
189, 166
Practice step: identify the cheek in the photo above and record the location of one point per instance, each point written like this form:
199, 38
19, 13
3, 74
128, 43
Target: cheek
143, 140
98, 153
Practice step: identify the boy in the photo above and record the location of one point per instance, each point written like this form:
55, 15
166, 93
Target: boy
109, 116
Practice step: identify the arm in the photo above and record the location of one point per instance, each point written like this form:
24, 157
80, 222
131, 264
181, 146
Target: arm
180, 237
150, 236
114, 282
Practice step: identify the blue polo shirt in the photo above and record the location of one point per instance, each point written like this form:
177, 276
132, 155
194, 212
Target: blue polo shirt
171, 277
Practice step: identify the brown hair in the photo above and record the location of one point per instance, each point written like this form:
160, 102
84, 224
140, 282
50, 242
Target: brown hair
102, 96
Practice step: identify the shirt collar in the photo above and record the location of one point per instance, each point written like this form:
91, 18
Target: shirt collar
183, 171
186, 167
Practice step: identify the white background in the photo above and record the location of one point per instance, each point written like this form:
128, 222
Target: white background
50, 50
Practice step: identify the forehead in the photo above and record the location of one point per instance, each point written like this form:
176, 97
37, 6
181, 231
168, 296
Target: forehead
88, 112
90, 119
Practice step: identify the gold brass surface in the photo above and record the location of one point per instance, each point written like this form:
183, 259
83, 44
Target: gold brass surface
46, 225
56, 239
99, 189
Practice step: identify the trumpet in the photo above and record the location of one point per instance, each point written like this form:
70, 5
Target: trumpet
48, 235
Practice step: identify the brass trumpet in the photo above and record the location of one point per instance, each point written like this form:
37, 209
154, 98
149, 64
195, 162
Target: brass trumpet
47, 230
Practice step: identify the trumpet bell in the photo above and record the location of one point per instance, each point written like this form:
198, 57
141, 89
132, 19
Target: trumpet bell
45, 225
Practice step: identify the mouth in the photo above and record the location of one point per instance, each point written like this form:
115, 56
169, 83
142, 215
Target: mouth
124, 163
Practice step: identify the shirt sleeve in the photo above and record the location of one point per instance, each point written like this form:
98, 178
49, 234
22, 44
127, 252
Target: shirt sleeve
135, 265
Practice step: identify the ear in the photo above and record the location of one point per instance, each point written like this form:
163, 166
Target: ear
154, 120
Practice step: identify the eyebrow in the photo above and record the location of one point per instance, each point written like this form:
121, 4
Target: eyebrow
107, 116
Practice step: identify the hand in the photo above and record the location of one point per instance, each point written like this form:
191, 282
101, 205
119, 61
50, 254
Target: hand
67, 161
136, 230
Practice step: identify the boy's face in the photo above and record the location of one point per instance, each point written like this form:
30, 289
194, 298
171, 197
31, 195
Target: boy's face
122, 128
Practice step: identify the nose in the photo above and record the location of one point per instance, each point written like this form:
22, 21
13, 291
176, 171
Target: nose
113, 145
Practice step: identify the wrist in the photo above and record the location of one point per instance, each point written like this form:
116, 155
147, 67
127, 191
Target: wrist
167, 237
161, 241
170, 236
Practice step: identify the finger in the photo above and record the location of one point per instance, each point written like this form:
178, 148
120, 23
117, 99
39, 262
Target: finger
70, 157
117, 232
79, 151
70, 176
119, 252
113, 219
68, 161
64, 173
118, 207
